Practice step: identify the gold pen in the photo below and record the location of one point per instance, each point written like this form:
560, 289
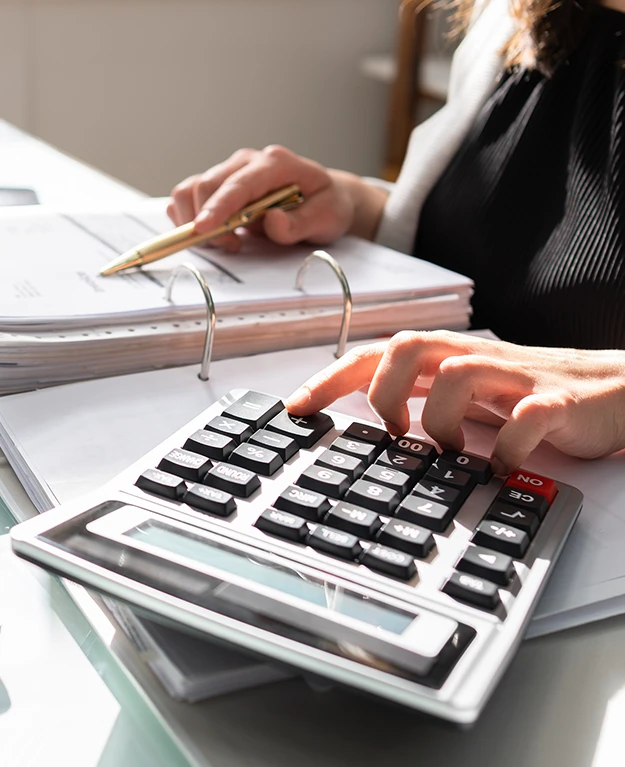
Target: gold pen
186, 237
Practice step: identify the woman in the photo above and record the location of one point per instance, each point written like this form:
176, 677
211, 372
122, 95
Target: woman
516, 182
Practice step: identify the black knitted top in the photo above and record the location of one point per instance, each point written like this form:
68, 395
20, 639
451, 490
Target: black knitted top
532, 207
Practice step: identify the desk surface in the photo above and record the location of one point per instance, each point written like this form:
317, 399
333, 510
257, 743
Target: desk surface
74, 692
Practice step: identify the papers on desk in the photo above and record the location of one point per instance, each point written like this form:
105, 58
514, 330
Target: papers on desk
60, 321
66, 441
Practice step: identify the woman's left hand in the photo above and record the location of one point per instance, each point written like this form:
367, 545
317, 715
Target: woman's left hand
573, 399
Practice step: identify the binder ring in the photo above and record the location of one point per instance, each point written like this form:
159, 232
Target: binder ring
210, 314
347, 293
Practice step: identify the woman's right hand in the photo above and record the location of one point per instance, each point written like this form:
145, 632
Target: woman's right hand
335, 202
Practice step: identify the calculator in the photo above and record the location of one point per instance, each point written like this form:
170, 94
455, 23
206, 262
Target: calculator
323, 544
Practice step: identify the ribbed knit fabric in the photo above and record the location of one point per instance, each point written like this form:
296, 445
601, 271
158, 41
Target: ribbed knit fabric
532, 206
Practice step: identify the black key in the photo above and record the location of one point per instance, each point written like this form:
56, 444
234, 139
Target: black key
354, 519
326, 481
417, 447
435, 516
186, 464
161, 483
233, 479
511, 515
335, 542
470, 588
445, 494
282, 524
254, 408
478, 467
305, 503
500, 537
285, 447
393, 478
305, 430
404, 462
365, 451
348, 464
448, 475
406, 537
372, 496
523, 499
262, 460
210, 499
488, 564
236, 430
397, 564
210, 444
363, 432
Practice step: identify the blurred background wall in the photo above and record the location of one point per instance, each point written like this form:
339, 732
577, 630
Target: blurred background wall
153, 90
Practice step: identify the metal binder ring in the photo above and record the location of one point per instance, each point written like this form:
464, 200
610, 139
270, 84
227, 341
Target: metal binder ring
347, 293
210, 314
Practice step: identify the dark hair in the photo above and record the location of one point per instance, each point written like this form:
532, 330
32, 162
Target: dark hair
547, 30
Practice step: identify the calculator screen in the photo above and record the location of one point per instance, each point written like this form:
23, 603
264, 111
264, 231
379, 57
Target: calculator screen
279, 577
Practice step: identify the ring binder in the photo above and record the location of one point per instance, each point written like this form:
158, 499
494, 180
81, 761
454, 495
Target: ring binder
210, 314
347, 294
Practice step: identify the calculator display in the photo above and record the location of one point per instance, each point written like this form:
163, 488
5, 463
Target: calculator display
280, 578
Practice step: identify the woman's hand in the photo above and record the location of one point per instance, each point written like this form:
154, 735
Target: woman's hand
335, 202
573, 399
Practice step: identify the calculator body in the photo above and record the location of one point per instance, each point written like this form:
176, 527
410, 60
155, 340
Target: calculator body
395, 611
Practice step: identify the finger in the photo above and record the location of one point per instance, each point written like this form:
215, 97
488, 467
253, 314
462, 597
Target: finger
460, 383
209, 182
316, 221
229, 243
348, 374
181, 208
531, 421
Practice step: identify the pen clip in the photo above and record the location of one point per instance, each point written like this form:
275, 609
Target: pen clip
285, 199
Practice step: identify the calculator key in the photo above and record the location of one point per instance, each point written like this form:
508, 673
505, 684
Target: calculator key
365, 451
373, 496
354, 519
211, 444
417, 447
335, 542
383, 559
236, 430
305, 430
448, 475
285, 447
523, 499
435, 516
520, 518
254, 408
237, 480
478, 467
161, 483
186, 464
488, 564
348, 464
283, 525
445, 494
409, 464
362, 432
406, 537
262, 460
500, 537
525, 480
393, 478
210, 499
470, 588
326, 481
304, 503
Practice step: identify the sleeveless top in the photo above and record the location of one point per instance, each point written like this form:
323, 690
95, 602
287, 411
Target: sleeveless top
532, 206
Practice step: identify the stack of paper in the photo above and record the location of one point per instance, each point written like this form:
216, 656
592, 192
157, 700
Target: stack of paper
60, 321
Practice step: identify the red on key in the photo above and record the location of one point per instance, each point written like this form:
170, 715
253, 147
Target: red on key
525, 480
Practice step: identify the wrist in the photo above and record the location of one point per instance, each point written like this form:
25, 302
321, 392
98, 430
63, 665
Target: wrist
366, 201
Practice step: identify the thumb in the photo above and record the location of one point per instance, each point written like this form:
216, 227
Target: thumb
314, 220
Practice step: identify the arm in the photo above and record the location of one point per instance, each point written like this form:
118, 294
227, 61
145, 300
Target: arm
573, 399
335, 202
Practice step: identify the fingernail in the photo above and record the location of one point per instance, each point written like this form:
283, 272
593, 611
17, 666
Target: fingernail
499, 469
299, 398
203, 216
392, 428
